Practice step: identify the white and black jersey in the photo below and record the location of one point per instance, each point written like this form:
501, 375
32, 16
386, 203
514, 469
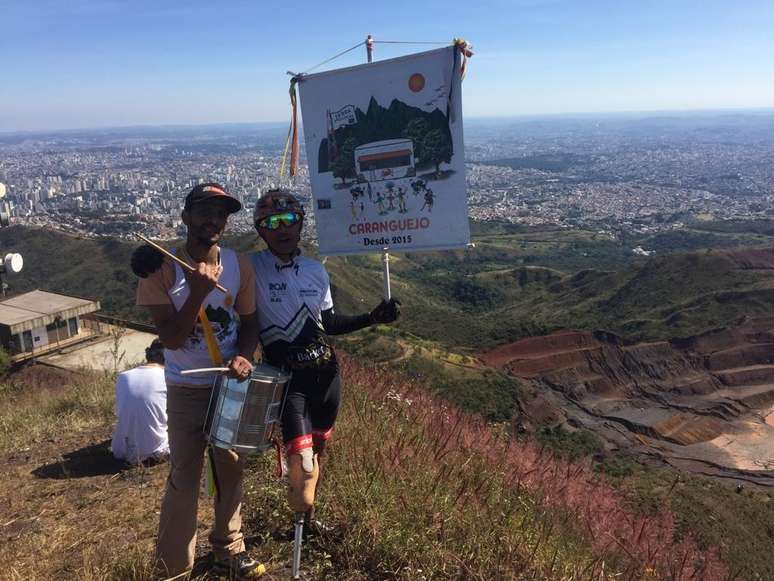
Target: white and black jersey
290, 298
294, 305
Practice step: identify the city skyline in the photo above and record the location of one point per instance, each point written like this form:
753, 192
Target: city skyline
92, 64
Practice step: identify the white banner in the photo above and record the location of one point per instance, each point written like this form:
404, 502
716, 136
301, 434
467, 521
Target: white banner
386, 157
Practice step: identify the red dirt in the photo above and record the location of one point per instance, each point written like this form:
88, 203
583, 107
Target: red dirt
685, 393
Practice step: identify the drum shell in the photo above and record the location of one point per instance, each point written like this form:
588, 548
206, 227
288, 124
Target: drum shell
243, 415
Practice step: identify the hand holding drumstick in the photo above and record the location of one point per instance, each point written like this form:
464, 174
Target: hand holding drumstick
149, 258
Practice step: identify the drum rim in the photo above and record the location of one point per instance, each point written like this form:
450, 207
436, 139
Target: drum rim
269, 371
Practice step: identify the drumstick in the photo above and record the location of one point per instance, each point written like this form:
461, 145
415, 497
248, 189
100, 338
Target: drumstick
204, 370
171, 256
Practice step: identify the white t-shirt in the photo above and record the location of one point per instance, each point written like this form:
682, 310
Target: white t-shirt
223, 319
141, 409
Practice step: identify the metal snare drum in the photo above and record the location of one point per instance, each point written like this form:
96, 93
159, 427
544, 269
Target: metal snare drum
243, 414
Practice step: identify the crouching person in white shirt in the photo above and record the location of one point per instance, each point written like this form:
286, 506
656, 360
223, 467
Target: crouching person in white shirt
141, 408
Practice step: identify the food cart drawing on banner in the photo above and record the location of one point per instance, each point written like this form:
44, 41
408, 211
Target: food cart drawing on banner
384, 160
390, 161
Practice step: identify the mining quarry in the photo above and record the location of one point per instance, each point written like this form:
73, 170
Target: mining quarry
703, 404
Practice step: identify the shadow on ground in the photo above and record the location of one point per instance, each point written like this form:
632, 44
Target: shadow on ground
93, 460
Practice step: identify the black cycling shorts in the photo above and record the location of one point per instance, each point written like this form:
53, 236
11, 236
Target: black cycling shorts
311, 406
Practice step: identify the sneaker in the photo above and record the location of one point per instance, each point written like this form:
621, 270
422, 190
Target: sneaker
239, 567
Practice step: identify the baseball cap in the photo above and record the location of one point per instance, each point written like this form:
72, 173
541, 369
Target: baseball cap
209, 191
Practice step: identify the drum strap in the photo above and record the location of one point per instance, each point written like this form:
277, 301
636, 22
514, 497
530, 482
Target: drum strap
282, 470
217, 359
209, 338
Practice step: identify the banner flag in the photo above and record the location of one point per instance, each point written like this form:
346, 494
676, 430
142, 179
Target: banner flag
386, 156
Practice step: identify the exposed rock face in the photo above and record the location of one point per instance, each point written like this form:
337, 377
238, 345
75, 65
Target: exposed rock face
701, 399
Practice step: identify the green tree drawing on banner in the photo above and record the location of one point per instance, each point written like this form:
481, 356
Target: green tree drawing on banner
416, 130
343, 166
437, 148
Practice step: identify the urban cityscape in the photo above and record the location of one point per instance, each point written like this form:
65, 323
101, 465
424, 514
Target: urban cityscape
639, 174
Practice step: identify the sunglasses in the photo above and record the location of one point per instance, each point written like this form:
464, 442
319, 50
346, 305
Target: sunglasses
275, 221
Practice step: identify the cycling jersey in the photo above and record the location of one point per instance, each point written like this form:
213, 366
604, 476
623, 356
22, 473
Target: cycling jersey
290, 298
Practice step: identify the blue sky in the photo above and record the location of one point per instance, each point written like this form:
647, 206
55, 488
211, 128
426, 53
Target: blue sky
97, 63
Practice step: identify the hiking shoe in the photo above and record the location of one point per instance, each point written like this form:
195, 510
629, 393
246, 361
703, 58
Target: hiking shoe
239, 567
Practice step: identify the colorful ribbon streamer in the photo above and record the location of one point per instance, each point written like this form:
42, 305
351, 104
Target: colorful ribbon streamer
292, 139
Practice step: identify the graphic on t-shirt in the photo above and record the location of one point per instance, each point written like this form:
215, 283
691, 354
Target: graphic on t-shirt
221, 322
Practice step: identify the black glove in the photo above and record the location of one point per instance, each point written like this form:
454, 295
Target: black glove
146, 260
385, 312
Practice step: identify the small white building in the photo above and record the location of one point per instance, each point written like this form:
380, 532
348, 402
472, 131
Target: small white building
38, 322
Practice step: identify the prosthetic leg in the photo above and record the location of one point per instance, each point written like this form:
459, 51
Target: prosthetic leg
298, 527
313, 526
303, 473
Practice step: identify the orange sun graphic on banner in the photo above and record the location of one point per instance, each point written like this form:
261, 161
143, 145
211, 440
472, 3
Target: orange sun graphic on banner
416, 82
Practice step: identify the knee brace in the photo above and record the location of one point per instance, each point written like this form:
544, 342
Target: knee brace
303, 472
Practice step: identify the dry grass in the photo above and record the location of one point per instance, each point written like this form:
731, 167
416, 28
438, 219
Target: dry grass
416, 489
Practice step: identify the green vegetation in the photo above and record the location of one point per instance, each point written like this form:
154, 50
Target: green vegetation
5, 361
737, 520
451, 375
517, 282
574, 444
487, 393
544, 162
97, 269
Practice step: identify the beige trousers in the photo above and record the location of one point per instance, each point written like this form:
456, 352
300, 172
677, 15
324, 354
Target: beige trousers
176, 544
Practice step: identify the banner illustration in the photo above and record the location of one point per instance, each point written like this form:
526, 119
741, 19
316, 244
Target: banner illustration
386, 159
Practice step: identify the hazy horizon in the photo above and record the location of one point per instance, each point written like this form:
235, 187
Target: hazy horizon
473, 119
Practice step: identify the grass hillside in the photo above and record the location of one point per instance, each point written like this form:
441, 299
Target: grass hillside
408, 500
442, 492
516, 282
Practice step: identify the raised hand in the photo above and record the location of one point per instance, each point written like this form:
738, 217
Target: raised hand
386, 312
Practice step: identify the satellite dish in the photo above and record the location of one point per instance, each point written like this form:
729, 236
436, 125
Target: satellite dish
13, 262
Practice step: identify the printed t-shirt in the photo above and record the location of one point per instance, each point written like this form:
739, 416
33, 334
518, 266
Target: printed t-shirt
169, 286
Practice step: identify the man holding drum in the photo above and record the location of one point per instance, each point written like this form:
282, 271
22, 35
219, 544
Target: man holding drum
295, 316
195, 321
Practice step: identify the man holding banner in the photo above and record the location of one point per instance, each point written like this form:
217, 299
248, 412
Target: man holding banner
295, 316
